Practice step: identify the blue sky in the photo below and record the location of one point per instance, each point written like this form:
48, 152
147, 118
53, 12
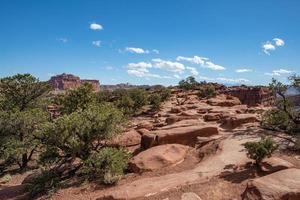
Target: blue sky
151, 42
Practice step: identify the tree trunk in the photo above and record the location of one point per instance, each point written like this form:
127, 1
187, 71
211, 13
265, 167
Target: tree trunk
24, 161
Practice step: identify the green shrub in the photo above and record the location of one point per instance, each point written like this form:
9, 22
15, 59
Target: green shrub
165, 94
126, 104
207, 91
48, 181
139, 97
6, 178
108, 165
277, 119
189, 83
261, 149
155, 101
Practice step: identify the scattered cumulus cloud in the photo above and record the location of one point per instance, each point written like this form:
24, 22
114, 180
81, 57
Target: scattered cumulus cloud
168, 65
268, 46
193, 60
96, 43
63, 40
204, 62
137, 50
243, 70
96, 27
193, 71
231, 80
279, 72
155, 51
278, 42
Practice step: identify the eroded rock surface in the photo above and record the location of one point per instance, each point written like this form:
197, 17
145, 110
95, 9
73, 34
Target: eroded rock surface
158, 157
284, 184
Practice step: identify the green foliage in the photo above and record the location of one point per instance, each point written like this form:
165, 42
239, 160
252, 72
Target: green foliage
131, 101
48, 181
81, 132
21, 92
207, 91
165, 94
107, 165
104, 96
276, 119
6, 178
189, 83
261, 149
155, 101
77, 99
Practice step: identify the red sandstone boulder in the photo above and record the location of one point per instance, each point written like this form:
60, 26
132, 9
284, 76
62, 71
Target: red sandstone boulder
175, 110
158, 157
145, 125
128, 138
274, 164
224, 100
212, 117
238, 120
181, 135
284, 184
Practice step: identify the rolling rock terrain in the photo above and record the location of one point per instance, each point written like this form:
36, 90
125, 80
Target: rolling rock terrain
191, 149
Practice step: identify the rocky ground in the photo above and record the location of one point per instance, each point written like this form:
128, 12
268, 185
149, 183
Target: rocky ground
189, 150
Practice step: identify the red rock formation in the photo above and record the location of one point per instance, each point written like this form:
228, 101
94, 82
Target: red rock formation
252, 95
69, 81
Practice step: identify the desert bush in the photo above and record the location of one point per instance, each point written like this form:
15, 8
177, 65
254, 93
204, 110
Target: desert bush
79, 134
108, 165
139, 97
6, 178
261, 149
126, 104
276, 119
18, 135
75, 99
21, 116
207, 91
155, 101
189, 83
165, 94
47, 182
104, 96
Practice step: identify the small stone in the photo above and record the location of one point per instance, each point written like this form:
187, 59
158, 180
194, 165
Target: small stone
190, 196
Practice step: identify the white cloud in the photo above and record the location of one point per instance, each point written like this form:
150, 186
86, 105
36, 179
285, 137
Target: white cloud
279, 42
271, 46
155, 51
177, 76
213, 66
168, 65
230, 80
279, 72
268, 46
96, 43
194, 60
243, 70
193, 71
206, 78
136, 50
141, 70
95, 26
204, 62
63, 40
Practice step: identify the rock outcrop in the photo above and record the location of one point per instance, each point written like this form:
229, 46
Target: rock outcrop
182, 135
224, 100
252, 95
284, 184
238, 120
274, 164
69, 81
158, 157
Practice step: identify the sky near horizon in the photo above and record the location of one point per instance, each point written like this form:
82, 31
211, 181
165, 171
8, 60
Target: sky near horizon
151, 42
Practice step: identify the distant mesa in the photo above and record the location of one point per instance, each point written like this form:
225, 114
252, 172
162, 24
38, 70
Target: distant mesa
69, 81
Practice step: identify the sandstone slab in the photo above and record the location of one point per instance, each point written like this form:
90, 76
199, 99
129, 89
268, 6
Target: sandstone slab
158, 157
284, 184
274, 164
181, 135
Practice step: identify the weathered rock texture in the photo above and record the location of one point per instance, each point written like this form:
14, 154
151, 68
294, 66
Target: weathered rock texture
252, 95
274, 164
284, 184
182, 135
158, 157
69, 81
